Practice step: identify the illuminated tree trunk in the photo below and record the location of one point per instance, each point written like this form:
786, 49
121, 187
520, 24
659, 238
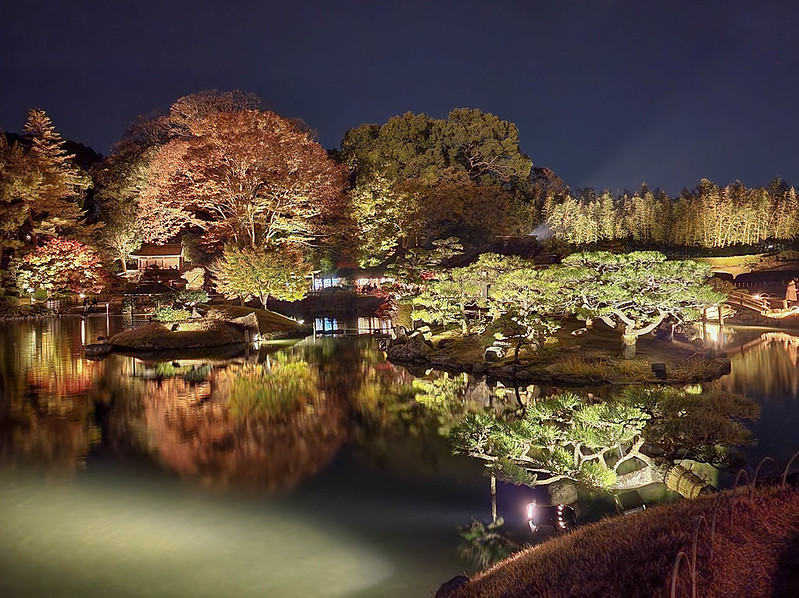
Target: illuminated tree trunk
493, 498
628, 342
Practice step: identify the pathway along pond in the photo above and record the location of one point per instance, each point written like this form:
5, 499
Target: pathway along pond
303, 470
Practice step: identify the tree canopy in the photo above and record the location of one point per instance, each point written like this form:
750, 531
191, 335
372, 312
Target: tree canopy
635, 291
247, 178
255, 272
417, 178
59, 266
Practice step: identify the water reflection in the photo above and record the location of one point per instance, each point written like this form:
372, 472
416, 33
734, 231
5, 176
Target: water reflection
45, 385
328, 418
265, 426
765, 366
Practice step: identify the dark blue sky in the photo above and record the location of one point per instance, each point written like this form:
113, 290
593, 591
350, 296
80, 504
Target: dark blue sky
606, 93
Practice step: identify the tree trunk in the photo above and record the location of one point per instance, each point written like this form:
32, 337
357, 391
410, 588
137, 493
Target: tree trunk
628, 342
493, 499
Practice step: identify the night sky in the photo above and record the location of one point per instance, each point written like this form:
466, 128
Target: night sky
607, 94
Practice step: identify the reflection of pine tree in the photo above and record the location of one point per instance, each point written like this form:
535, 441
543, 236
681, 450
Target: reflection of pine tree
483, 545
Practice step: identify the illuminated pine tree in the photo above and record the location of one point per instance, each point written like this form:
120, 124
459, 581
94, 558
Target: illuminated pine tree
56, 206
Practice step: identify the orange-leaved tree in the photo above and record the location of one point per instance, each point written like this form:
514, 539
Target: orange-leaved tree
61, 265
248, 178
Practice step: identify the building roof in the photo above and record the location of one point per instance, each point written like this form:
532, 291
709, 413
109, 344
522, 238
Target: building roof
150, 250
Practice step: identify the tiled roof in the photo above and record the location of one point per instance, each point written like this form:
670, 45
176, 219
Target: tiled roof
168, 250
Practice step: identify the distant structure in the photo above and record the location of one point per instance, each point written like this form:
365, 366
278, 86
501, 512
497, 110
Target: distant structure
158, 257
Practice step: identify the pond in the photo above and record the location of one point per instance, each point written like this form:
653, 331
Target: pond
305, 469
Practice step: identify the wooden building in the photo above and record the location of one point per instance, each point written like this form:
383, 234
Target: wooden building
158, 257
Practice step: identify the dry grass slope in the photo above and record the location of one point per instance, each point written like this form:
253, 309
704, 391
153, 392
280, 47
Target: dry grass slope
755, 554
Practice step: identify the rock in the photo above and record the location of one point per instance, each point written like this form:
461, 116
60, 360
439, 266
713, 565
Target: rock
401, 339
411, 351
524, 375
504, 371
98, 351
398, 331
493, 354
563, 493
445, 342
450, 587
724, 367
419, 337
443, 361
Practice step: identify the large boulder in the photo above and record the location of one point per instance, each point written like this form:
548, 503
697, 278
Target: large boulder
563, 493
414, 350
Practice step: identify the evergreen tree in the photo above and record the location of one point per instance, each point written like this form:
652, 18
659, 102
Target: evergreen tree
55, 208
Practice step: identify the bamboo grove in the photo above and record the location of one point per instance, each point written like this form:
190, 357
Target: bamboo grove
707, 217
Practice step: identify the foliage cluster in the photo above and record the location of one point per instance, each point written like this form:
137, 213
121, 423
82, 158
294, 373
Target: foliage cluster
245, 273
417, 179
564, 436
558, 437
274, 391
164, 313
60, 266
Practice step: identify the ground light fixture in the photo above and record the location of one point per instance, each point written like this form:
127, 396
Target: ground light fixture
560, 517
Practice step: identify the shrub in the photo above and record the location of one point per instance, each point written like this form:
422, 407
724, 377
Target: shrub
192, 296
170, 314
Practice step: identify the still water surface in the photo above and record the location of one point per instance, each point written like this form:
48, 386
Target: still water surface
135, 477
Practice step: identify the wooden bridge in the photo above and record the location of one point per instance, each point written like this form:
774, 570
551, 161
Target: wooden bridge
758, 303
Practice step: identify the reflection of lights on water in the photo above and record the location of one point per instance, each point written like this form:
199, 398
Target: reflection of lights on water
82, 539
713, 331
83, 332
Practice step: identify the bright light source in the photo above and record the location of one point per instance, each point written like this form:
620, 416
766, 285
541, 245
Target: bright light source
530, 510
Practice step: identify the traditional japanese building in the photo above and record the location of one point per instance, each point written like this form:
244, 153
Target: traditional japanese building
159, 257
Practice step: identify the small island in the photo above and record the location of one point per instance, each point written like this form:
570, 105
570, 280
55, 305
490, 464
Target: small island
594, 318
215, 326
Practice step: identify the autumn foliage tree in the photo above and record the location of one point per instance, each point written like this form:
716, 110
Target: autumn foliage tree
255, 272
249, 178
59, 266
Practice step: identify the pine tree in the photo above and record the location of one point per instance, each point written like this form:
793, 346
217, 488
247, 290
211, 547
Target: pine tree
56, 207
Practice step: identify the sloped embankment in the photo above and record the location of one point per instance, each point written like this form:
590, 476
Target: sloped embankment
754, 554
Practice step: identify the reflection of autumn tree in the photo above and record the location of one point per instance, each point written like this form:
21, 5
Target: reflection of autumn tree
45, 413
240, 428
